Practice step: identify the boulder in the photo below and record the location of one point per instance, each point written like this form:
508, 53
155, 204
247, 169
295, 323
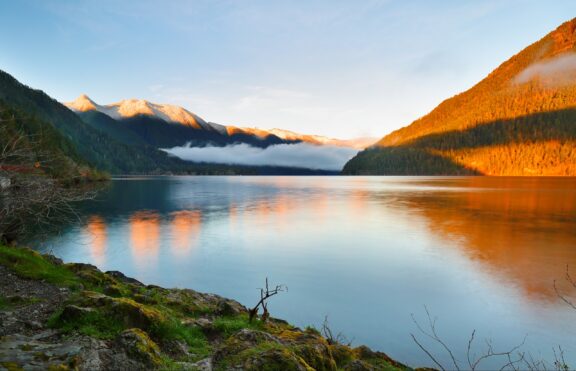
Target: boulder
120, 277
138, 346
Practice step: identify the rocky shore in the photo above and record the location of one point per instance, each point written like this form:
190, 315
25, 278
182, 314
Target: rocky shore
60, 316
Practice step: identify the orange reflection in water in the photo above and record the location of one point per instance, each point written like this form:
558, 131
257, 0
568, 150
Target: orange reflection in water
520, 229
97, 237
144, 234
185, 228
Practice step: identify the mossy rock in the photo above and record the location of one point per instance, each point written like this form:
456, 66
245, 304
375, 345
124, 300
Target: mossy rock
316, 355
74, 313
256, 350
342, 354
120, 277
134, 314
116, 290
274, 359
358, 365
378, 359
139, 346
90, 274
310, 346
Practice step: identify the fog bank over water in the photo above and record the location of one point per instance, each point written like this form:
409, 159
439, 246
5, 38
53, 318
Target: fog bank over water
290, 155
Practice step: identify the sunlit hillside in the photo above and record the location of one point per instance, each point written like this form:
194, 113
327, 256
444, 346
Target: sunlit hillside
519, 120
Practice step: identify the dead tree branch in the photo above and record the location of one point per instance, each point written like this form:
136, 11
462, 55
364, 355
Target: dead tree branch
265, 294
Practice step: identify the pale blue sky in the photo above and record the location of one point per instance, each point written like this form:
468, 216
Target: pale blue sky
337, 68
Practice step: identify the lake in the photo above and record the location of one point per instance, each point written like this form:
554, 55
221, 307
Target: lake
479, 252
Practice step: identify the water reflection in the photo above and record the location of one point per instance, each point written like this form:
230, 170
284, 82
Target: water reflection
96, 236
185, 230
522, 230
144, 237
368, 251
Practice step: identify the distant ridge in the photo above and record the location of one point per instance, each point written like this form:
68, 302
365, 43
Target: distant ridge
133, 114
519, 120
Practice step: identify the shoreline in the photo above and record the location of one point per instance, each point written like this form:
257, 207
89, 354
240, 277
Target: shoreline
74, 317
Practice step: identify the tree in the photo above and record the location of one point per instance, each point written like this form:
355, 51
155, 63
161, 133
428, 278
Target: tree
36, 183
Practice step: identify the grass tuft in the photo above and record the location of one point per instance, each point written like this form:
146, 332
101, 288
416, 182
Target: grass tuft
27, 263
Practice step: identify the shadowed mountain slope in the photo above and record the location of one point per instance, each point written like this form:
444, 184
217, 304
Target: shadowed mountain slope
519, 120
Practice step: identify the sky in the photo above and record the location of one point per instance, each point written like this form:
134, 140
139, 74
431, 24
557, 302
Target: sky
338, 68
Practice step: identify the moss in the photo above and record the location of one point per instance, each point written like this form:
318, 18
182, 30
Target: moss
378, 359
172, 329
95, 324
11, 366
10, 302
266, 356
318, 356
27, 263
230, 325
61, 367
342, 354
139, 345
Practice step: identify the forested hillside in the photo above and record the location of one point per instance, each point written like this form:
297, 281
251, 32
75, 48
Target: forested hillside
519, 120
104, 144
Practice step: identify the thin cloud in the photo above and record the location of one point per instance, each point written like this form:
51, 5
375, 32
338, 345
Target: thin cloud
560, 70
301, 155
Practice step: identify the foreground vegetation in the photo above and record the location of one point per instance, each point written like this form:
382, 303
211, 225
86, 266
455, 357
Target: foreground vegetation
109, 321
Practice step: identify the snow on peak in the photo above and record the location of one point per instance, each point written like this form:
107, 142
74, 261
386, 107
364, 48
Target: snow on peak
133, 107
83, 103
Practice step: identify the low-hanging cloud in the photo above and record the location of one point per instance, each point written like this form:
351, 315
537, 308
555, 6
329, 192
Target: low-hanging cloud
556, 71
303, 155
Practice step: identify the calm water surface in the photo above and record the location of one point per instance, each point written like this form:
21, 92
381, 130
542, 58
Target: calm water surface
480, 253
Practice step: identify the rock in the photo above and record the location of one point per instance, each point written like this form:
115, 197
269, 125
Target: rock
358, 365
365, 353
202, 365
113, 290
227, 309
133, 314
95, 299
144, 299
311, 347
341, 354
23, 352
139, 346
73, 313
79, 267
119, 276
176, 349
256, 350
52, 259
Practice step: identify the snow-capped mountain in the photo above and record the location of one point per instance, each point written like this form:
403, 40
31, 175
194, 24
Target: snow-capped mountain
130, 110
133, 107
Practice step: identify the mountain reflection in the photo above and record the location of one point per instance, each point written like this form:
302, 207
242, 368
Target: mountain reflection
97, 238
144, 235
522, 233
185, 228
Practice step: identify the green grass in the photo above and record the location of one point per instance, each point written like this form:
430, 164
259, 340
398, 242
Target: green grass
4, 303
230, 325
173, 330
15, 302
95, 324
30, 264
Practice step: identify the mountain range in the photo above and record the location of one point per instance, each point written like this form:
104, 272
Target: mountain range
127, 137
519, 120
137, 121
